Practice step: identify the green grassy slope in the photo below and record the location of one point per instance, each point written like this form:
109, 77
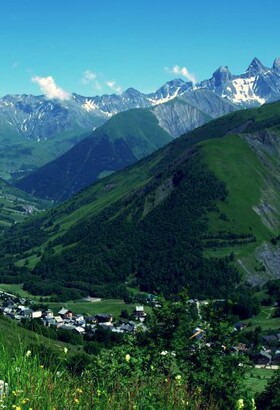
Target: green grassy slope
234, 162
252, 207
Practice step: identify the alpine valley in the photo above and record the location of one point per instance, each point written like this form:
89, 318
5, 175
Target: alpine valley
155, 243
202, 212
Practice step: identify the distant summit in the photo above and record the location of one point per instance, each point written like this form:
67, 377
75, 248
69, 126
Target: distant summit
256, 66
221, 76
276, 64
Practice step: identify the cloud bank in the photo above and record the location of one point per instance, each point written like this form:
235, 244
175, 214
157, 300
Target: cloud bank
50, 89
182, 71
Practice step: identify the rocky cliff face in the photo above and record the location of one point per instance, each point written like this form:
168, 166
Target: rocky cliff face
266, 144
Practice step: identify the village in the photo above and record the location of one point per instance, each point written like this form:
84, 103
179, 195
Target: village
20, 309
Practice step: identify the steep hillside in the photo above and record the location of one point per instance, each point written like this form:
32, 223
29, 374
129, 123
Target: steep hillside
249, 165
184, 216
124, 139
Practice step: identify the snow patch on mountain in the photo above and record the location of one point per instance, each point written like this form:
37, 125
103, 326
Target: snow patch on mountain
89, 105
243, 91
163, 100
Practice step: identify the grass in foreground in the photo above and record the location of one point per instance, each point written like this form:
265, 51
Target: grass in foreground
32, 386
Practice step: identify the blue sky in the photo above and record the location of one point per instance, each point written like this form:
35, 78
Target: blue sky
95, 47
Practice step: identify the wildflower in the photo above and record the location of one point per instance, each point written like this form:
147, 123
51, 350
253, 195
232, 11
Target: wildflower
65, 350
16, 407
28, 353
98, 393
254, 404
24, 401
240, 404
79, 391
41, 366
76, 400
127, 357
164, 353
178, 379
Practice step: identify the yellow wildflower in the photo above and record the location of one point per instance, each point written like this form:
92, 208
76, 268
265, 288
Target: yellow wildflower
76, 400
24, 401
79, 391
240, 404
127, 357
28, 353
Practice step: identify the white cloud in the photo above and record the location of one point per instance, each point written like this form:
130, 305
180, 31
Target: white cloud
50, 89
114, 86
97, 81
182, 71
89, 77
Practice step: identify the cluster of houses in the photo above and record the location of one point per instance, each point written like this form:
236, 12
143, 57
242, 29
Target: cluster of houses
16, 308
268, 355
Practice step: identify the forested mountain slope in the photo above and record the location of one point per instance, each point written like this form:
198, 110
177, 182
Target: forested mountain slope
200, 212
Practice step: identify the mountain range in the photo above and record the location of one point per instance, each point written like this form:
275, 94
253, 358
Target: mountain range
35, 130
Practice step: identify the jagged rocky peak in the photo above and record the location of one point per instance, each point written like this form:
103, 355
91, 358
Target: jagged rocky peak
172, 89
132, 92
222, 75
276, 64
256, 66
171, 85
